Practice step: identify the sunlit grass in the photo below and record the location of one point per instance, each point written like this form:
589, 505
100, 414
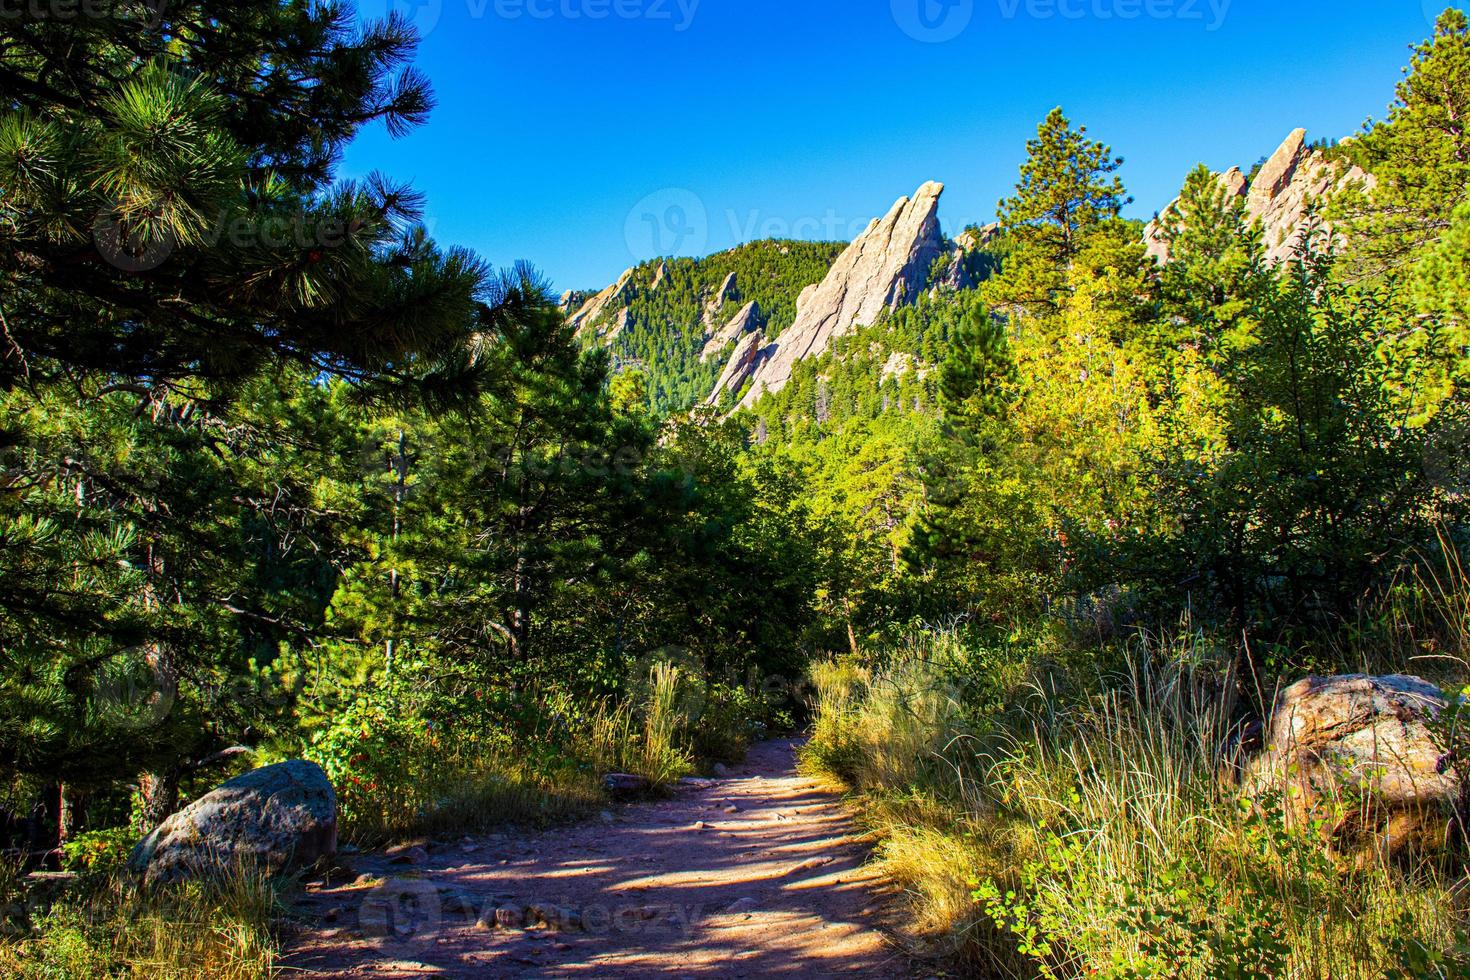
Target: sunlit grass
112, 928
1095, 836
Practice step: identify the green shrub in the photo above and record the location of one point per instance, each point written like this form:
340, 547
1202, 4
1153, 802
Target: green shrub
732, 718
400, 773
99, 851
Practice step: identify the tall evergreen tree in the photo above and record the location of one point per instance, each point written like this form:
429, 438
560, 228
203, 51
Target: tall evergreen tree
1068, 189
1419, 157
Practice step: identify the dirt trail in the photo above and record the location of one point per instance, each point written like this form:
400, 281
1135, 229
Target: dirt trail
754, 875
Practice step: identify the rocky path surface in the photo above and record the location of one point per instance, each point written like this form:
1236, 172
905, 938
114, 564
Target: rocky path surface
759, 874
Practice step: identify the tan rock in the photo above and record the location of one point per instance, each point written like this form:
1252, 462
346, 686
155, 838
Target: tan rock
1360, 754
744, 360
1293, 183
744, 322
885, 267
587, 316
1275, 177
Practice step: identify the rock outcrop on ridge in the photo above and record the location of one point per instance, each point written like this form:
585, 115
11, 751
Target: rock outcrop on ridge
747, 321
886, 266
739, 368
595, 306
1280, 196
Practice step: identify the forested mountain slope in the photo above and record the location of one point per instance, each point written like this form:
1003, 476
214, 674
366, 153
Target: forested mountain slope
668, 318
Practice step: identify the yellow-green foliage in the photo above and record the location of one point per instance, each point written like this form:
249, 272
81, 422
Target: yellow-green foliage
1095, 836
115, 930
398, 774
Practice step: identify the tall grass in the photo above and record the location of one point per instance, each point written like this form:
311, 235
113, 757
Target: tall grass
1094, 836
643, 738
457, 786
114, 929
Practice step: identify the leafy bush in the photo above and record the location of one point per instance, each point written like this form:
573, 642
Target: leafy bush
730, 720
399, 772
99, 851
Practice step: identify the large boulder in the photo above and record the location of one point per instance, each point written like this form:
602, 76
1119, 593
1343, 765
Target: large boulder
275, 819
1359, 757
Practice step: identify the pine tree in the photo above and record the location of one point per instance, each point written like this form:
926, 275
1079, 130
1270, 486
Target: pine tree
167, 204
1419, 157
1066, 192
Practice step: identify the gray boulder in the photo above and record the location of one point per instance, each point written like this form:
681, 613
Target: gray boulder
275, 819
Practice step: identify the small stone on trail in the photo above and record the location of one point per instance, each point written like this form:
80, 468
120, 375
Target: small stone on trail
732, 808
415, 856
809, 865
746, 904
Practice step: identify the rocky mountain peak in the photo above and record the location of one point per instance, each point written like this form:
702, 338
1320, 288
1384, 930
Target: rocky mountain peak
885, 267
1281, 196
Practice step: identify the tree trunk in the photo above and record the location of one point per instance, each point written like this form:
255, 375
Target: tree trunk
160, 798
72, 816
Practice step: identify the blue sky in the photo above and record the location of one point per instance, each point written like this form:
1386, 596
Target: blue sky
587, 135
